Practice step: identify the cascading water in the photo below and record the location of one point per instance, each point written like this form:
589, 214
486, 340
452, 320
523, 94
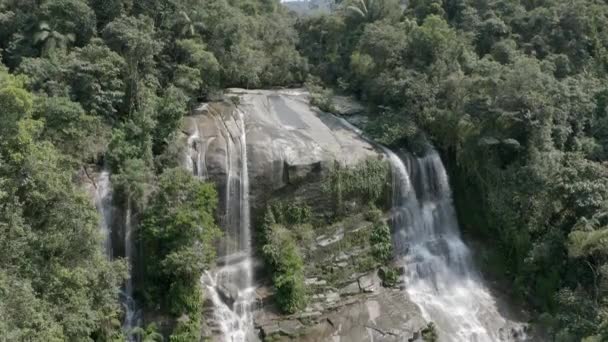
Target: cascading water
103, 202
439, 274
130, 307
196, 156
230, 286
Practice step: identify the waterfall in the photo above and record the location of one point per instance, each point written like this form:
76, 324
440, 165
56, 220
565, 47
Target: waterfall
197, 149
129, 305
230, 286
104, 205
103, 202
439, 275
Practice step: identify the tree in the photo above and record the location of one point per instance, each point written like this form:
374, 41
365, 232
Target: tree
177, 232
372, 10
281, 253
78, 134
95, 74
134, 39
199, 71
52, 41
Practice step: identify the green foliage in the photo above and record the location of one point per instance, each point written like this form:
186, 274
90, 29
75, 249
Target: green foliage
429, 334
320, 96
380, 240
177, 234
513, 95
55, 282
283, 225
149, 334
199, 71
70, 128
95, 77
389, 276
283, 256
288, 213
170, 109
108, 83
365, 183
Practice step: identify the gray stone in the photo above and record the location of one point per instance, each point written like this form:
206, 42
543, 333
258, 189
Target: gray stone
331, 240
385, 316
228, 292
342, 264
310, 281
287, 139
270, 329
368, 283
350, 289
290, 327
332, 297
342, 256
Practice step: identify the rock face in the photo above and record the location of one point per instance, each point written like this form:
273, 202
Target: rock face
291, 146
384, 316
287, 140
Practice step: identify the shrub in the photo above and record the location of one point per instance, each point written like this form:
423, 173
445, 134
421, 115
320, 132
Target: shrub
380, 240
283, 256
365, 183
320, 96
389, 276
177, 236
429, 334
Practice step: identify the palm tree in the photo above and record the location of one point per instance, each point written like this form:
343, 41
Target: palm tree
369, 10
52, 40
150, 334
188, 25
360, 8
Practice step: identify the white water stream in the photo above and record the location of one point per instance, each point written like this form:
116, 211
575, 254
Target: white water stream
440, 276
439, 271
105, 207
103, 202
230, 286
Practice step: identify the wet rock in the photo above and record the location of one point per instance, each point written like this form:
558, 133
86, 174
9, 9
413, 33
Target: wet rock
368, 283
290, 327
287, 139
384, 317
315, 282
350, 289
324, 242
342, 257
270, 329
228, 292
332, 297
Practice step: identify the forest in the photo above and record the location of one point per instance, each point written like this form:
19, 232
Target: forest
513, 94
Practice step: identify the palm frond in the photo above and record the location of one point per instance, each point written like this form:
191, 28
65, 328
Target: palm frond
357, 10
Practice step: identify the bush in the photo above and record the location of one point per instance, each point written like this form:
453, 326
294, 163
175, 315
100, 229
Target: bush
320, 96
283, 256
365, 183
380, 239
389, 276
177, 236
429, 334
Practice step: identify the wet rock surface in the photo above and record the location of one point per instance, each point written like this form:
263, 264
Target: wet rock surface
288, 141
290, 147
386, 315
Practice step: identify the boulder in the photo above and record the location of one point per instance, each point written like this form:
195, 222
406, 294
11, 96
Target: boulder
386, 316
350, 289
